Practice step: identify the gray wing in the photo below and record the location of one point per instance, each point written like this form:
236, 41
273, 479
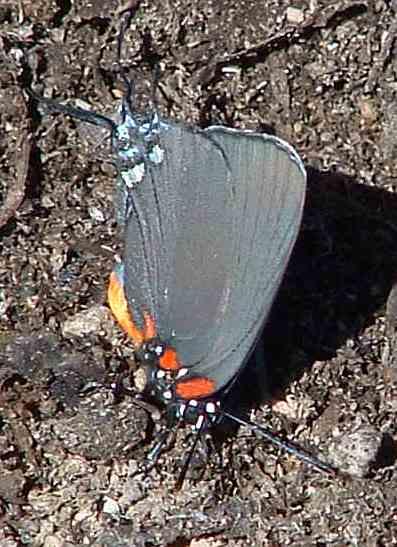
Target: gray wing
208, 236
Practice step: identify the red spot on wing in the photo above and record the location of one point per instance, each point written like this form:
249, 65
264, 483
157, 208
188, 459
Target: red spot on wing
118, 305
169, 360
195, 388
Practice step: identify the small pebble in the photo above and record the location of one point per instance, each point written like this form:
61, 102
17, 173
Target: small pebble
295, 16
354, 452
89, 321
111, 508
53, 541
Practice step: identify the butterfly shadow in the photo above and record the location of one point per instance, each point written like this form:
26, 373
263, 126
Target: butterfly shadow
340, 274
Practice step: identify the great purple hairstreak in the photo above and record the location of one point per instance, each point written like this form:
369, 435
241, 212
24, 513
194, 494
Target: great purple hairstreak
209, 220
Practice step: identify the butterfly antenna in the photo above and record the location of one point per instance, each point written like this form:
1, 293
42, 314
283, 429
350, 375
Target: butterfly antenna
285, 445
74, 111
129, 14
155, 116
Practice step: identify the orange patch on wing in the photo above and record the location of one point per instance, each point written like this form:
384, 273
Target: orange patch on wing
149, 328
195, 388
169, 360
119, 307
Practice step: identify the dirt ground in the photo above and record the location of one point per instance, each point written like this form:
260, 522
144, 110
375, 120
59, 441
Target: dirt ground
318, 73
